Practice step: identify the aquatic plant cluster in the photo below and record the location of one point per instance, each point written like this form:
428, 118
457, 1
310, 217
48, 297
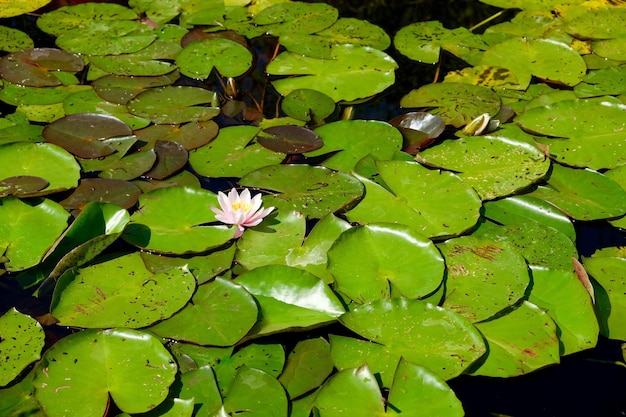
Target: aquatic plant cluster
202, 228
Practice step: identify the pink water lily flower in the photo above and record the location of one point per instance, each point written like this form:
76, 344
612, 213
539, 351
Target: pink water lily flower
240, 209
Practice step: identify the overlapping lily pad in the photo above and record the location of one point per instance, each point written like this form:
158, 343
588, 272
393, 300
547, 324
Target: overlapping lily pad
35, 67
229, 58
21, 341
174, 105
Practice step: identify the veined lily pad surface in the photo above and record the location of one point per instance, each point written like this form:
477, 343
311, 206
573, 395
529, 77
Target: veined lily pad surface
280, 208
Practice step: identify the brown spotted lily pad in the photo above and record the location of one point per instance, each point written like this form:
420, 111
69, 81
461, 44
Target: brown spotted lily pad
289, 139
35, 67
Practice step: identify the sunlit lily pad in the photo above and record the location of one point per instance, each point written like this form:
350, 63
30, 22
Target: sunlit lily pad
174, 220
189, 135
129, 65
289, 298
380, 260
450, 101
114, 37
608, 268
420, 332
17, 95
519, 342
419, 129
233, 153
351, 73
495, 165
484, 276
308, 105
120, 292
440, 214
120, 89
21, 341
583, 194
229, 58
568, 303
72, 17
44, 160
173, 105
296, 17
544, 58
307, 366
423, 41
348, 141
256, 392
599, 23
13, 40
219, 314
35, 67
118, 359
19, 7
314, 191
606, 81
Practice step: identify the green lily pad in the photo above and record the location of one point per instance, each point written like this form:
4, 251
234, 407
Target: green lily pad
289, 298
583, 194
233, 153
113, 37
544, 58
220, 314
18, 399
438, 339
484, 276
307, 367
600, 23
129, 65
602, 82
13, 40
351, 392
189, 135
308, 105
613, 49
172, 220
567, 302
450, 101
21, 341
416, 391
131, 366
254, 391
509, 211
296, 17
423, 41
19, 95
36, 67
608, 268
495, 165
314, 191
229, 58
349, 141
73, 17
619, 176
377, 260
96, 227
120, 292
199, 386
353, 72
439, 214
19, 7
121, 89
519, 342
174, 105
28, 230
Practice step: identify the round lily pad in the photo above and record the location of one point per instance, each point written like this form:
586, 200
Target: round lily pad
289, 139
34, 67
229, 58
307, 105
174, 105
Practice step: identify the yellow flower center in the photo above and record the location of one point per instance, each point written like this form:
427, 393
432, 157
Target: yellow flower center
242, 205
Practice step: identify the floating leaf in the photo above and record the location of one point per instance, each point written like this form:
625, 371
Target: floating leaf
173, 105
568, 303
423, 41
233, 153
544, 58
348, 141
353, 72
419, 129
254, 391
495, 165
19, 7
82, 134
220, 314
28, 230
307, 367
600, 23
121, 89
442, 214
102, 190
22, 185
172, 220
13, 40
289, 298
450, 101
308, 105
171, 157
35, 67
484, 276
229, 58
583, 194
289, 139
519, 342
438, 339
21, 341
199, 386
189, 135
131, 366
352, 392
113, 37
296, 17
374, 261
608, 269
67, 18
314, 191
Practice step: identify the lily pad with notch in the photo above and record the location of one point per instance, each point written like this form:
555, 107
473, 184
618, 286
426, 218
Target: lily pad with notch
123, 193
120, 89
171, 157
229, 58
308, 105
289, 139
174, 105
190, 135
